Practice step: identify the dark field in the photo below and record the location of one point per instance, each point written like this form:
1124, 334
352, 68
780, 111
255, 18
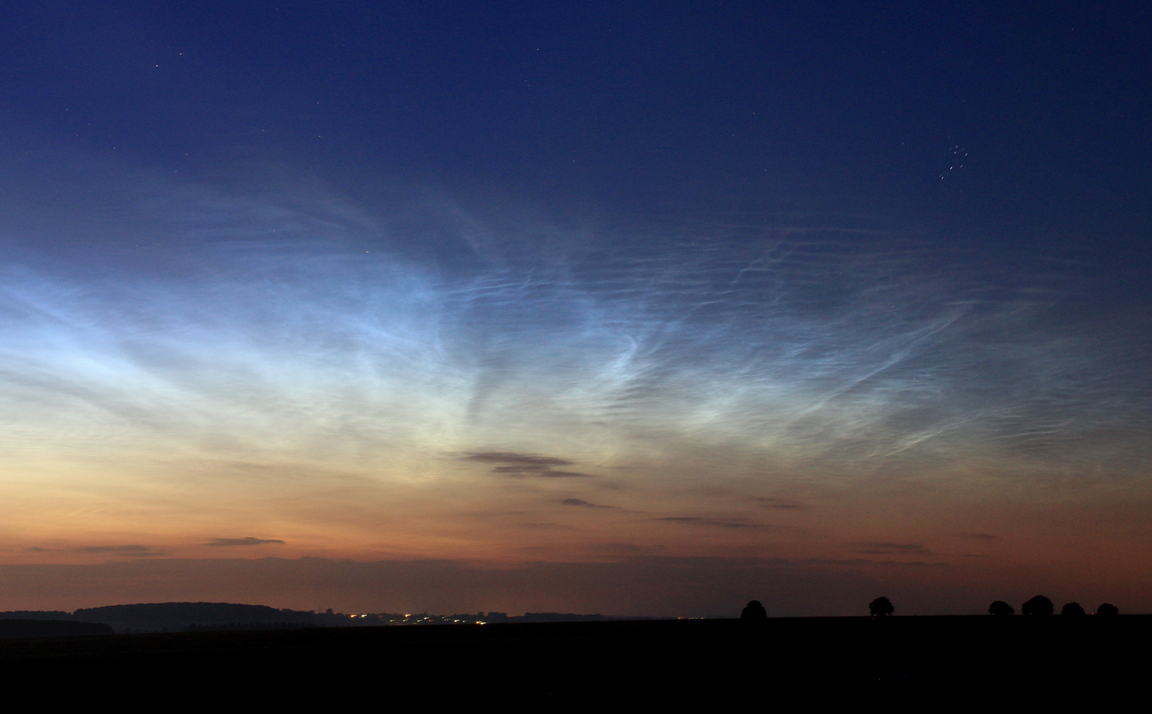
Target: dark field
820, 659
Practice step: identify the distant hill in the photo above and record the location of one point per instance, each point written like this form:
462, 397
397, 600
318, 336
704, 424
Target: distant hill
208, 616
554, 617
178, 616
560, 617
35, 615
10, 628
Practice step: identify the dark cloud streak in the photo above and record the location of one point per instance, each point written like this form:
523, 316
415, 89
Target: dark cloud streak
893, 549
714, 522
512, 464
249, 541
582, 504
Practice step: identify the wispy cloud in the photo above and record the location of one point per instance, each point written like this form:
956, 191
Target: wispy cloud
513, 464
783, 504
714, 522
582, 503
893, 549
630, 549
229, 542
525, 460
734, 357
135, 551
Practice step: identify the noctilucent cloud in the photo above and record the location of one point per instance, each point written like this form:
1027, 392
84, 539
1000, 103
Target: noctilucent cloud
638, 313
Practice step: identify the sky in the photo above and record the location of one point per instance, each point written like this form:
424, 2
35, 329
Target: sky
639, 309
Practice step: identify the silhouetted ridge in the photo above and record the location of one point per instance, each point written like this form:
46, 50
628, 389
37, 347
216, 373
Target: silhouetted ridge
175, 616
10, 628
244, 626
36, 615
558, 617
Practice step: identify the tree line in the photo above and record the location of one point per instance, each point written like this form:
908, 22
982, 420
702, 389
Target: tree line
882, 607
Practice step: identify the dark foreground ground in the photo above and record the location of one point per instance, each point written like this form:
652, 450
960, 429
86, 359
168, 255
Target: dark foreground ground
894, 661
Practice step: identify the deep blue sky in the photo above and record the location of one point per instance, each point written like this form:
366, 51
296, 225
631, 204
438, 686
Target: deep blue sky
649, 107
835, 293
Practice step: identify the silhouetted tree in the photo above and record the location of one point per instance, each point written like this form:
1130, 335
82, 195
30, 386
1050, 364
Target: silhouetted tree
1000, 607
1107, 609
1038, 605
754, 612
881, 607
1072, 608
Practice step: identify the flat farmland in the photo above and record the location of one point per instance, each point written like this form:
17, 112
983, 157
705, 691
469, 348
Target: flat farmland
658, 660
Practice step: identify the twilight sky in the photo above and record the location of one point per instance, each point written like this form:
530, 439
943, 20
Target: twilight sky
649, 308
